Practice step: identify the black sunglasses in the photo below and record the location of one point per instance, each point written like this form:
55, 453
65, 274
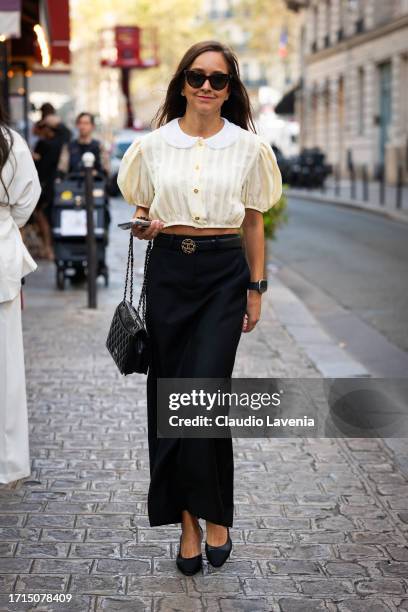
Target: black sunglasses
197, 79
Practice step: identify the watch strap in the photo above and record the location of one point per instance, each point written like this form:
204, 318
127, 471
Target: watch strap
253, 285
260, 285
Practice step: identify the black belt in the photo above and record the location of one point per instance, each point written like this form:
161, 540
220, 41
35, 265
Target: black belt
190, 245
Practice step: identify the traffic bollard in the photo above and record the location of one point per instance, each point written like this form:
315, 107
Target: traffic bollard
399, 188
88, 160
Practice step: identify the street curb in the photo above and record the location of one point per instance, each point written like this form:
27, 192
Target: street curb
346, 203
330, 359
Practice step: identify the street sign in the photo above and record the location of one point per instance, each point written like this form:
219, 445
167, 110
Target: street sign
128, 47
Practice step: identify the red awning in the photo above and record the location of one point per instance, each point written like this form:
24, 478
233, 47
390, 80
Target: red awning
58, 13
53, 17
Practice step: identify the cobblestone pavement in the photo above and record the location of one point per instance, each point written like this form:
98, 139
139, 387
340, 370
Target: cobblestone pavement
321, 524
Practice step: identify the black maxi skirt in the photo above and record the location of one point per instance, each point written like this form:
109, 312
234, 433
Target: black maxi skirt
195, 306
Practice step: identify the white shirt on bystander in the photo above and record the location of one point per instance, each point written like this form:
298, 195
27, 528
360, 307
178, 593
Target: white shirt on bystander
19, 176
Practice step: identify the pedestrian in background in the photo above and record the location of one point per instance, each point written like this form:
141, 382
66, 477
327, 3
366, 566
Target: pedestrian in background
19, 192
198, 177
48, 111
36, 133
70, 162
53, 134
71, 154
46, 154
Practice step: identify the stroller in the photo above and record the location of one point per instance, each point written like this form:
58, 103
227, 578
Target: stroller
69, 227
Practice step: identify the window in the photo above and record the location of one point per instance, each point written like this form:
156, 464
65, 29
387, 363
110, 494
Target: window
340, 31
361, 99
263, 78
213, 12
245, 71
360, 17
328, 23
315, 28
229, 12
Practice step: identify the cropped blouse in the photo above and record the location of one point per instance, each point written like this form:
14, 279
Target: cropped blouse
201, 182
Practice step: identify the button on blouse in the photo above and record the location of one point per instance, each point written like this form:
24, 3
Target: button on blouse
201, 182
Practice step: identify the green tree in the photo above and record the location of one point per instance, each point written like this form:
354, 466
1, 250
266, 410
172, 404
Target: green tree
175, 20
275, 217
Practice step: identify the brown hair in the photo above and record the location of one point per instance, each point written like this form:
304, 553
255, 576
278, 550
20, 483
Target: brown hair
85, 114
236, 109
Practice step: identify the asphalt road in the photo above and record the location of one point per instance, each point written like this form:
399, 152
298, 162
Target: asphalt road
353, 260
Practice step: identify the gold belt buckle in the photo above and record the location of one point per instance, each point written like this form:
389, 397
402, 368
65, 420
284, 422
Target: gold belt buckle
188, 246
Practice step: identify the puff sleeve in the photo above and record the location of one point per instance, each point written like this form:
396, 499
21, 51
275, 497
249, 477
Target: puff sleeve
262, 187
134, 179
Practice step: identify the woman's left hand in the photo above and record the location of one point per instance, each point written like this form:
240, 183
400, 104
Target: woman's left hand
253, 311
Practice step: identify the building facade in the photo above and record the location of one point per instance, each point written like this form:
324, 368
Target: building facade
354, 83
35, 59
266, 69
265, 74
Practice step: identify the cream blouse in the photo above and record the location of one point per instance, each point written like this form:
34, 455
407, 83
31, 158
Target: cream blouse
201, 182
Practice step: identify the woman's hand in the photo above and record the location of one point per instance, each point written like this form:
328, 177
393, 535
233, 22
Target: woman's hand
253, 311
147, 233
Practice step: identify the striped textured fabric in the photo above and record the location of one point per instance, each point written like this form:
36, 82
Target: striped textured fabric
200, 182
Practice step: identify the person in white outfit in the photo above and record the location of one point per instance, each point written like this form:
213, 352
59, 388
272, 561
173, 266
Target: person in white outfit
19, 193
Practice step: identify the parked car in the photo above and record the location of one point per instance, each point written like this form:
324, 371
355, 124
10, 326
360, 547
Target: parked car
283, 163
121, 143
308, 169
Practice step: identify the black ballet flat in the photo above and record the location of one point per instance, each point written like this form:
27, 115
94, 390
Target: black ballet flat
217, 555
192, 565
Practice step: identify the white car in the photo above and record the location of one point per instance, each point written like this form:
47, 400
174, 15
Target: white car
121, 143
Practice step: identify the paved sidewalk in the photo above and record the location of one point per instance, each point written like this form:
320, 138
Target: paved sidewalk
321, 524
343, 197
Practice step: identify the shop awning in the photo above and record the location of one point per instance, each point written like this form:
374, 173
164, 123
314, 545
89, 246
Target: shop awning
286, 105
10, 18
51, 22
33, 12
58, 14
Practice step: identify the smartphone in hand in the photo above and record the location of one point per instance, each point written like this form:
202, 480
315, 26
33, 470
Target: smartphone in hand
133, 222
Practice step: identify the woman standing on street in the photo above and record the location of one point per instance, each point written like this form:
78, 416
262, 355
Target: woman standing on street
19, 193
199, 176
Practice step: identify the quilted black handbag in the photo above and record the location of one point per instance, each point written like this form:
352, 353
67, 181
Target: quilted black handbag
128, 341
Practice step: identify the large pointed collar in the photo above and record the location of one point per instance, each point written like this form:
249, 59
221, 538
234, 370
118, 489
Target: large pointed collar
174, 135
